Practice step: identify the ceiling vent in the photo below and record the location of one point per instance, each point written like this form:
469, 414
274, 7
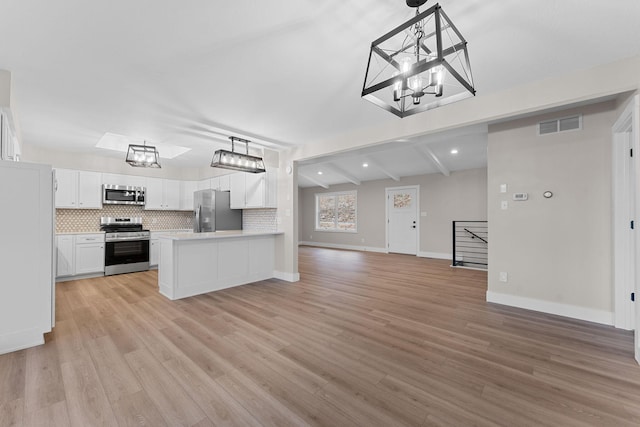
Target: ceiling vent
560, 125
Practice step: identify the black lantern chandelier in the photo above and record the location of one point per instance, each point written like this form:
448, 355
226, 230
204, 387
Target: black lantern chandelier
237, 161
419, 65
143, 156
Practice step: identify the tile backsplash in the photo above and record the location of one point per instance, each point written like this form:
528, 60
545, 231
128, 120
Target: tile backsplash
88, 220
260, 219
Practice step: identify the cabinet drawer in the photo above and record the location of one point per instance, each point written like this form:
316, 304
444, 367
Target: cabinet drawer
89, 238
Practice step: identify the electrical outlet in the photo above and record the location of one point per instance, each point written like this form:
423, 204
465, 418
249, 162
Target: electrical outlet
423, 214
311, 237
362, 240
504, 277
504, 205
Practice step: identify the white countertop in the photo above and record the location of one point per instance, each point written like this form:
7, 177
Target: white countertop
218, 235
76, 233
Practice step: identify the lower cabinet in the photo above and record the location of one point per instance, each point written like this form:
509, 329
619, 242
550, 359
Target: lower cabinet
154, 252
79, 254
64, 255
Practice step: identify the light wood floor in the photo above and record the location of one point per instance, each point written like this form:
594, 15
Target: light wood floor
362, 340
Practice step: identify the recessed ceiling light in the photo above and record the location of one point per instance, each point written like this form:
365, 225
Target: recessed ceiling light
365, 165
454, 151
319, 172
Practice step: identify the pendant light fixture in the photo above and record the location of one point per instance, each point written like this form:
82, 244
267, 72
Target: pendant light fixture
143, 156
237, 161
419, 65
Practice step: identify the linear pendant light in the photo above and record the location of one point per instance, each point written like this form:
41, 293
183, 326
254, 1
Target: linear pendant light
233, 160
143, 156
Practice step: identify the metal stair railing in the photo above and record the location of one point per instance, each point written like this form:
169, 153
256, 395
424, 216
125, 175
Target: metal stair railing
470, 244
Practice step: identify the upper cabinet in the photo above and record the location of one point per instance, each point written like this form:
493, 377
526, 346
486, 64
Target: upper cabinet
187, 188
162, 194
9, 148
128, 180
78, 189
253, 191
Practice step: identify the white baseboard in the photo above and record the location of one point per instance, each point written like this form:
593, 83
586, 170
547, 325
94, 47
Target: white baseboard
347, 247
79, 277
436, 255
288, 277
21, 340
566, 310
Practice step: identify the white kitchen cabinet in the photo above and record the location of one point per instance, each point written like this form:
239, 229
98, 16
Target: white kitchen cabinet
224, 182
128, 180
162, 194
89, 253
66, 188
89, 190
187, 188
64, 255
204, 184
154, 252
79, 254
215, 183
9, 148
251, 191
78, 189
171, 194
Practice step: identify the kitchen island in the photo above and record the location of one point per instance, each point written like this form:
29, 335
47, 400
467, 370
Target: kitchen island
197, 263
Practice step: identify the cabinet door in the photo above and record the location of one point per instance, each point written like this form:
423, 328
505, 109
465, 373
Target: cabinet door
154, 252
254, 190
205, 184
89, 190
187, 188
67, 188
237, 188
64, 256
215, 183
171, 192
155, 194
89, 258
224, 182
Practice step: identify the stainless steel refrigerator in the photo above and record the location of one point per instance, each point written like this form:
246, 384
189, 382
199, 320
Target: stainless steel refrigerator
212, 212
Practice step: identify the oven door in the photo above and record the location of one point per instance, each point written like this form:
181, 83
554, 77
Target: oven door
126, 256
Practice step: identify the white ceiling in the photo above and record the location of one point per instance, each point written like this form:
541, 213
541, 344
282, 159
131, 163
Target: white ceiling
280, 72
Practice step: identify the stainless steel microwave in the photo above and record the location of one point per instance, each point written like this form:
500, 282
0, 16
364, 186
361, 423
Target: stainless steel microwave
122, 195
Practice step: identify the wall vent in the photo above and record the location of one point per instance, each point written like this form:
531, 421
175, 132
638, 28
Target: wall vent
560, 125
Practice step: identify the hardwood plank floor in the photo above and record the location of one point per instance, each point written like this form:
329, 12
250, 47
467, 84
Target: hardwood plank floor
363, 339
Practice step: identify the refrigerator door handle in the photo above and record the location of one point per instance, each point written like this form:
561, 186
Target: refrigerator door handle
196, 223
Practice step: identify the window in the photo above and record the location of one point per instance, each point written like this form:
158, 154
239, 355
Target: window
336, 211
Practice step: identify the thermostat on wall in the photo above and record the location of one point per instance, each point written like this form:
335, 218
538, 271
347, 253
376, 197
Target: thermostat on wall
520, 197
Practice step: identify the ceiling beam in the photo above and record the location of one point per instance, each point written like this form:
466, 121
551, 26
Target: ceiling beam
315, 181
384, 170
427, 154
344, 174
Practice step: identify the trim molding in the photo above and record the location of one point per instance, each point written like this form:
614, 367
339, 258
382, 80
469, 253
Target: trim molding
566, 310
436, 255
21, 340
286, 276
347, 247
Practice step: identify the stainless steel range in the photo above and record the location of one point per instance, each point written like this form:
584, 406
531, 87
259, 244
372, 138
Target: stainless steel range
126, 245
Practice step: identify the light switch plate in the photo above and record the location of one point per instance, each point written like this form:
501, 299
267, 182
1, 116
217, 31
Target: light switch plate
504, 277
503, 188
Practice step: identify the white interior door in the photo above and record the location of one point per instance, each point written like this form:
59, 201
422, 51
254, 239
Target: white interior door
402, 220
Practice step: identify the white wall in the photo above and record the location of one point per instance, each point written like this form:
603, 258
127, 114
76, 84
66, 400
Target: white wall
557, 251
460, 196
